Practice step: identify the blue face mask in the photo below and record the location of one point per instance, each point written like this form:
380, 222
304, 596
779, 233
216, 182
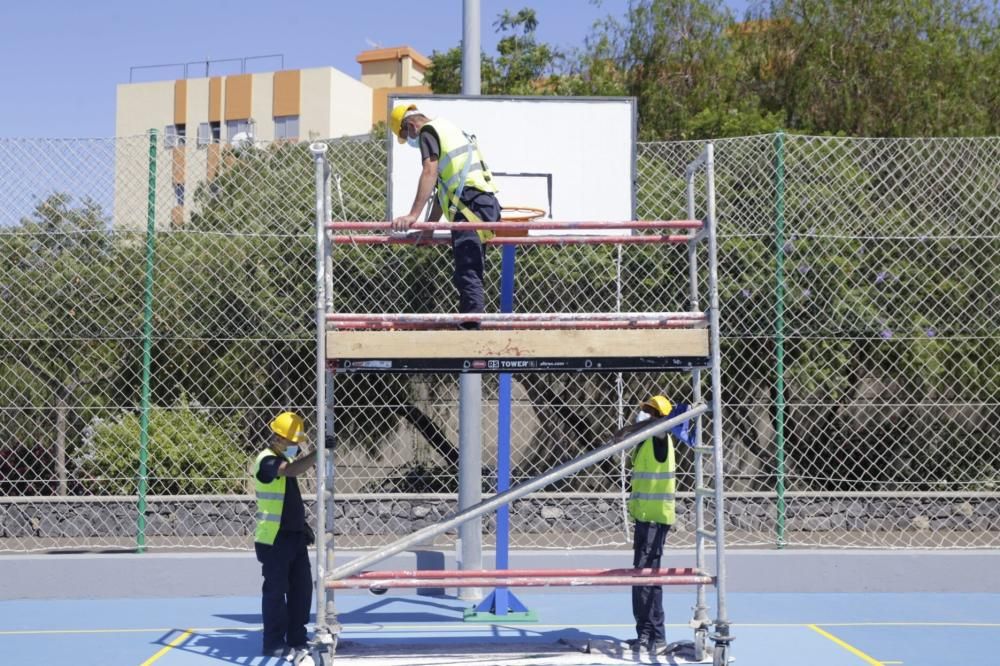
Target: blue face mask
642, 416
414, 142
292, 451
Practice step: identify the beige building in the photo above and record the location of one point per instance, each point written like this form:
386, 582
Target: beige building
200, 119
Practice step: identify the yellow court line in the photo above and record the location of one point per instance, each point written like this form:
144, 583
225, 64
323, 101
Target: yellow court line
847, 646
170, 646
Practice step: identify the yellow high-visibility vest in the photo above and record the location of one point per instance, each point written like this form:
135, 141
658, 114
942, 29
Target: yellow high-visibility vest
653, 485
270, 502
458, 149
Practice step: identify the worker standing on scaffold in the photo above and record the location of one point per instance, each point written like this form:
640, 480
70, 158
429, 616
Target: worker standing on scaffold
466, 192
651, 506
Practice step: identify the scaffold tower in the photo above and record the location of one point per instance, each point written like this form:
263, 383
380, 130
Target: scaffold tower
506, 343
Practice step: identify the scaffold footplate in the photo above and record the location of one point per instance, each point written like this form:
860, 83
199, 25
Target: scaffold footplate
486, 351
516, 652
516, 365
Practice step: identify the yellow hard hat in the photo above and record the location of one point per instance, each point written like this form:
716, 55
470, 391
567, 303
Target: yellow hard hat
290, 426
659, 404
396, 119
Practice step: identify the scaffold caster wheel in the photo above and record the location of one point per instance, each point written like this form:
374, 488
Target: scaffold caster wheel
323, 656
720, 657
700, 643
323, 651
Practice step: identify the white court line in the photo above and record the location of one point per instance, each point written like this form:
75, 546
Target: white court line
459, 627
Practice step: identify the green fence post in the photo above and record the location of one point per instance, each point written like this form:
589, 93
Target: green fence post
147, 347
779, 330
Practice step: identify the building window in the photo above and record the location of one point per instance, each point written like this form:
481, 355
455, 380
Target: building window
286, 128
179, 194
235, 127
208, 133
174, 136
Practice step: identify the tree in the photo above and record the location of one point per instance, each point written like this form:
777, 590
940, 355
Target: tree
677, 59
894, 68
189, 454
523, 66
72, 299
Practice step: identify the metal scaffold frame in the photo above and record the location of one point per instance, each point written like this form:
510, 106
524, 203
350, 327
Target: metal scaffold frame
364, 342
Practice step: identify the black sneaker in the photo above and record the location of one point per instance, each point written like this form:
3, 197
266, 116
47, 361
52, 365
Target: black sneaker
281, 652
301, 657
636, 644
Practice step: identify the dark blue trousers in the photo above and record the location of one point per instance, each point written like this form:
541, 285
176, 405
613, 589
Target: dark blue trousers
467, 251
647, 602
286, 595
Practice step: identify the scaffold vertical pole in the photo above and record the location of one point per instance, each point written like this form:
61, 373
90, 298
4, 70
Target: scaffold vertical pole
721, 636
330, 468
700, 618
323, 632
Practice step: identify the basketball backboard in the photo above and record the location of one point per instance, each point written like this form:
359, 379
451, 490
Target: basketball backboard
573, 157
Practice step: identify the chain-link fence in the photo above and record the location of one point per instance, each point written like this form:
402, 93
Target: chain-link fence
860, 300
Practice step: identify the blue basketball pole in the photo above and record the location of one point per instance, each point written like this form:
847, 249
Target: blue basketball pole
501, 602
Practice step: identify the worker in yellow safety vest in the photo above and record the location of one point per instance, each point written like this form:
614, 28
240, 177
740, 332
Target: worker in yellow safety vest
465, 192
651, 506
281, 539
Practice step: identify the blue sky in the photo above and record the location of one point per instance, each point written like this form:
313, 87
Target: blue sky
61, 59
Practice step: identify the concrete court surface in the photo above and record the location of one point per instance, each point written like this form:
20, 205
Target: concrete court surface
822, 608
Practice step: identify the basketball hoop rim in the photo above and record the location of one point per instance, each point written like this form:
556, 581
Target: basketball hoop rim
520, 213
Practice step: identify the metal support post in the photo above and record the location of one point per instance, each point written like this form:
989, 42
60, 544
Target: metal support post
471, 49
470, 387
779, 332
470, 476
147, 349
501, 603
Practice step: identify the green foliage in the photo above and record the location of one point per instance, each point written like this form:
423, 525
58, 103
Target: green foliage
893, 68
72, 296
523, 66
674, 57
189, 454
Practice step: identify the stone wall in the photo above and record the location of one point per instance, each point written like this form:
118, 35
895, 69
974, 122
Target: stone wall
167, 517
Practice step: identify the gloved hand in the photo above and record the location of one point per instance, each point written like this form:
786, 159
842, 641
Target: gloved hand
330, 443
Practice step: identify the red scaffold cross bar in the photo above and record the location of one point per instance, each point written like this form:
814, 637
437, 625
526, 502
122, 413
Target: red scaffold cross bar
518, 321
418, 239
380, 581
533, 225
422, 233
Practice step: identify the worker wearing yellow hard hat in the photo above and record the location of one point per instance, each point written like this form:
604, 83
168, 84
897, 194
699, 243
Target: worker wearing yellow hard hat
651, 506
282, 537
452, 162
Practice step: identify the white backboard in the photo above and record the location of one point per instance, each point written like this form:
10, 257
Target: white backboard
573, 157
